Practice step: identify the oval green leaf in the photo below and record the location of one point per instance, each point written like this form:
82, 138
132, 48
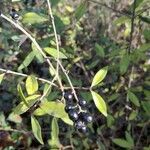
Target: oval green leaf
99, 103
33, 18
54, 53
31, 85
55, 109
22, 107
54, 141
122, 143
36, 129
133, 98
100, 75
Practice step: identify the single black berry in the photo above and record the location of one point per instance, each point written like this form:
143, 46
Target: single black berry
68, 95
83, 129
82, 102
86, 117
14, 14
80, 126
68, 107
73, 115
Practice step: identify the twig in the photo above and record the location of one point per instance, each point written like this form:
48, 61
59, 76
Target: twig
13, 130
56, 37
104, 5
18, 26
25, 75
58, 61
132, 27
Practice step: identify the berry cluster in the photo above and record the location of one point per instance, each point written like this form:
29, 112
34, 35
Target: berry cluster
77, 112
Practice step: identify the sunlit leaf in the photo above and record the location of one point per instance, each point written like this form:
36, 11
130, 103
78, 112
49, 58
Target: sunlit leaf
55, 109
1, 77
31, 85
36, 129
54, 141
20, 92
33, 18
100, 75
53, 52
100, 103
22, 107
14, 118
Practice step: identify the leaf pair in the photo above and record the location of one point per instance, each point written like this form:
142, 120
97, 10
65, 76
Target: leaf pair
98, 100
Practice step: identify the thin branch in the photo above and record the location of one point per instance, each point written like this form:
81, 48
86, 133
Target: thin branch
25, 75
132, 27
58, 61
55, 34
108, 7
18, 26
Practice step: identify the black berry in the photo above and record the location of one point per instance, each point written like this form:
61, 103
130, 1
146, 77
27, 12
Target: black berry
68, 95
68, 107
86, 117
73, 115
82, 102
14, 14
80, 126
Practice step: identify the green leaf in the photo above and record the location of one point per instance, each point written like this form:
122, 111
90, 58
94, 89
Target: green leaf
122, 143
36, 129
53, 52
33, 18
1, 77
31, 85
81, 10
99, 50
124, 63
146, 106
27, 61
100, 75
22, 107
22, 95
37, 54
54, 129
54, 142
133, 98
121, 20
145, 19
129, 138
100, 103
55, 109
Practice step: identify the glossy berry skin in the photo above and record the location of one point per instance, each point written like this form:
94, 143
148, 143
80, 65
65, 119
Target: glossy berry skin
68, 108
73, 115
68, 95
88, 118
80, 126
14, 14
82, 102
85, 117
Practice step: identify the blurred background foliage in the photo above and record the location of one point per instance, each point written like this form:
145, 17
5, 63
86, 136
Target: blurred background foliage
93, 34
